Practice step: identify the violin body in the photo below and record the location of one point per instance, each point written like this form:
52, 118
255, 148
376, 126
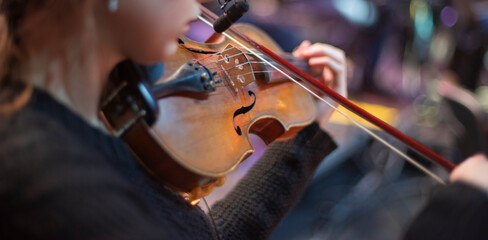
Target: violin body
200, 137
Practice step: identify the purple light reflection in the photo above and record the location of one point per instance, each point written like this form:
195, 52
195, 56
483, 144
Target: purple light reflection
449, 16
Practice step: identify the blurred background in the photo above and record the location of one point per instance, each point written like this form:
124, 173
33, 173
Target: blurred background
420, 65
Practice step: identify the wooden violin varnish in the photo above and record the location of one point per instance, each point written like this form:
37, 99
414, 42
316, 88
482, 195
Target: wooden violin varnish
199, 137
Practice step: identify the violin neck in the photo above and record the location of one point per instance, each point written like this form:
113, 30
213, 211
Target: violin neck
273, 76
297, 62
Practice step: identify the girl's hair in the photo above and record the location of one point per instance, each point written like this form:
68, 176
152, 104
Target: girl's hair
64, 18
14, 92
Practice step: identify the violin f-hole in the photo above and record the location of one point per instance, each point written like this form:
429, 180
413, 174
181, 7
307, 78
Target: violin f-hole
243, 110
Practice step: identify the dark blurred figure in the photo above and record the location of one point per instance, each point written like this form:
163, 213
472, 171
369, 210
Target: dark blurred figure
471, 36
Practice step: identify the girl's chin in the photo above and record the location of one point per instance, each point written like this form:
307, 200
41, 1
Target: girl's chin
170, 49
164, 54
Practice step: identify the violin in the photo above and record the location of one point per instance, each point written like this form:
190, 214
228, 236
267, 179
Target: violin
201, 134
191, 127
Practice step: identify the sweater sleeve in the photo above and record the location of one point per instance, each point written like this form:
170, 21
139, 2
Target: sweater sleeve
59, 190
272, 186
458, 211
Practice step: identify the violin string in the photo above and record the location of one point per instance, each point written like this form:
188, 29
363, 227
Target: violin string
235, 66
223, 59
213, 54
296, 65
248, 62
290, 57
303, 64
409, 159
205, 57
218, 71
219, 53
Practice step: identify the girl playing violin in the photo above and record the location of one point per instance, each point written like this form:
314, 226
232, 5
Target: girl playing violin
63, 177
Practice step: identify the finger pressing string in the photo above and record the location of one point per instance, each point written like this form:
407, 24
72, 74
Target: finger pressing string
318, 50
305, 44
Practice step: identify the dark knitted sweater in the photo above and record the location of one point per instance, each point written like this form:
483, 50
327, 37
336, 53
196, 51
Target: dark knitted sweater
457, 211
60, 178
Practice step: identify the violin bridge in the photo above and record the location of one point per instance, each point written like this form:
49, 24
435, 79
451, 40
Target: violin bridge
236, 68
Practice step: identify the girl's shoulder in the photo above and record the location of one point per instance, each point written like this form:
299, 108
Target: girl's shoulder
32, 143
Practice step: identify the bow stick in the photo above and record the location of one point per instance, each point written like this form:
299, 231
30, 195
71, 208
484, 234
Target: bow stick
411, 143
